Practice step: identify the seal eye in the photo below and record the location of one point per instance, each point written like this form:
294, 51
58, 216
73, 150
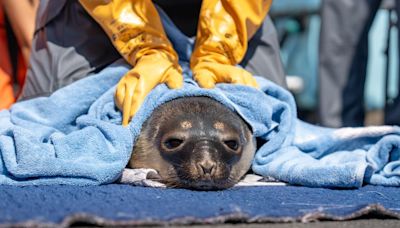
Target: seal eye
232, 144
173, 143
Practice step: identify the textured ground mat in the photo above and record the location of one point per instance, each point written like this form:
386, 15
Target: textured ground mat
119, 204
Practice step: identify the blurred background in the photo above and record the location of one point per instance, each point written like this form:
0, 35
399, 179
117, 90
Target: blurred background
298, 25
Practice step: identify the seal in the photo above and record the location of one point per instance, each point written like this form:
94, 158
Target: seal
195, 143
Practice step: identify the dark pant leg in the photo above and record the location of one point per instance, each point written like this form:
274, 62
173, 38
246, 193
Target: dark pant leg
353, 113
343, 58
263, 54
392, 108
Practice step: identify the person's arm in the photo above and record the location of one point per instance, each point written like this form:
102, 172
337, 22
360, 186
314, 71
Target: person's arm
224, 28
135, 29
21, 15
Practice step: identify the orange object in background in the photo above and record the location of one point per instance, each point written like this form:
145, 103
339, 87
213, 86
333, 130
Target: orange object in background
9, 87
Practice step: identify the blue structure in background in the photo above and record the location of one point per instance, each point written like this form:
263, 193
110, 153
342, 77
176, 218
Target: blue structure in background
376, 69
298, 26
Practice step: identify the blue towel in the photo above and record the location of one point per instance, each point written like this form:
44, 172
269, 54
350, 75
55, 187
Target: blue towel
75, 137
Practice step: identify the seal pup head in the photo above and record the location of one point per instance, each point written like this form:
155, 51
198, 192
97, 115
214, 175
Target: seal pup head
196, 143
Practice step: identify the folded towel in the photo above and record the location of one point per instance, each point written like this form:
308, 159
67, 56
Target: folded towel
75, 137
64, 138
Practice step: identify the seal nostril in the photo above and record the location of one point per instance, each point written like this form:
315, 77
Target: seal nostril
173, 143
207, 167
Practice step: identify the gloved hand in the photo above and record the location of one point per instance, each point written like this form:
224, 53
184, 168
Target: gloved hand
221, 43
207, 74
148, 72
136, 31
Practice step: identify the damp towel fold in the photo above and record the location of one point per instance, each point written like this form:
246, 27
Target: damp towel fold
74, 136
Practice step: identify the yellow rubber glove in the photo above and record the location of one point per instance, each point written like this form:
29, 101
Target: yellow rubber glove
225, 26
135, 29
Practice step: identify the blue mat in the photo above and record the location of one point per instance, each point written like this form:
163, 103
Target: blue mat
127, 205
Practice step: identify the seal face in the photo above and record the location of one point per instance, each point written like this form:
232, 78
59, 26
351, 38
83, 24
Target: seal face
196, 143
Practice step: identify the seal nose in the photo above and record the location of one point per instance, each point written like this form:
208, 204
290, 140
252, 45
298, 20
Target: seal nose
207, 167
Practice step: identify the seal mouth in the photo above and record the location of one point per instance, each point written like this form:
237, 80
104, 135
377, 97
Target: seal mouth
206, 185
175, 179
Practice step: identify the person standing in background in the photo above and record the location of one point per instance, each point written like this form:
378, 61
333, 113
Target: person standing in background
343, 59
16, 33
